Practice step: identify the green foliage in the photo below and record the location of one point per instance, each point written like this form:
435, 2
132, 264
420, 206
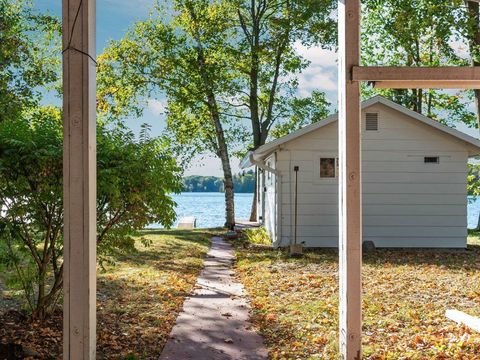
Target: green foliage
304, 111
28, 41
160, 57
269, 32
135, 178
134, 182
258, 236
416, 33
242, 183
473, 179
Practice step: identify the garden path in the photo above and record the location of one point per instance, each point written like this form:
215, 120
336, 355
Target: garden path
214, 323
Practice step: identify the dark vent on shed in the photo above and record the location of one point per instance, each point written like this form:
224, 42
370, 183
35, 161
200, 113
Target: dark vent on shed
431, 159
371, 122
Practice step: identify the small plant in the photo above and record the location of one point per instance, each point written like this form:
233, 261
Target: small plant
258, 236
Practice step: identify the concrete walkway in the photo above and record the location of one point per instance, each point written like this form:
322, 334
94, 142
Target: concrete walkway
214, 322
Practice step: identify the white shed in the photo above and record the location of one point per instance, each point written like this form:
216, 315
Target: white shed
414, 181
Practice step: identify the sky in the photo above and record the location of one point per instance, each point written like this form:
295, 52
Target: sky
114, 17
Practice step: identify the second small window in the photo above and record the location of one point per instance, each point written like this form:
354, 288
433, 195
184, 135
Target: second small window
431, 160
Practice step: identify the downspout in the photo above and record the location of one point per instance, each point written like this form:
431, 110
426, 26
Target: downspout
278, 180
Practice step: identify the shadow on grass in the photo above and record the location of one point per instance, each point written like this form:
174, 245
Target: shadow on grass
135, 319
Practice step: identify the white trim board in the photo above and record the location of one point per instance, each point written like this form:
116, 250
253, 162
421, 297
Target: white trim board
462, 318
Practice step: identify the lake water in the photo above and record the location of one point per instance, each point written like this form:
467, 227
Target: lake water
473, 211
209, 208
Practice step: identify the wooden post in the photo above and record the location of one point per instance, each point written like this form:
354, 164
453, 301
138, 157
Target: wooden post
350, 202
79, 174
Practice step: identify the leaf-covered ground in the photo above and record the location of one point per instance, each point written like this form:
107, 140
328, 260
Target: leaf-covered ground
295, 302
139, 298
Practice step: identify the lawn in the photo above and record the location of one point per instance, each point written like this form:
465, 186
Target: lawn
295, 302
139, 297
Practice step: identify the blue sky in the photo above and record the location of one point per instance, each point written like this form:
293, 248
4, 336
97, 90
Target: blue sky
114, 17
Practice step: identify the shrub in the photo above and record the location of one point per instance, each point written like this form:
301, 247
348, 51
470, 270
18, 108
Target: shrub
134, 181
258, 236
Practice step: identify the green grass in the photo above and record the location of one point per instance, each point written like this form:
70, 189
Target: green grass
139, 296
142, 294
405, 295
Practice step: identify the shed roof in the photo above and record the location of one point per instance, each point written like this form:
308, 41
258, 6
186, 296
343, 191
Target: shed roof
266, 149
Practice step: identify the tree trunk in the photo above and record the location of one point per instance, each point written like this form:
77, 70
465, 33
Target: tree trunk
474, 42
254, 109
229, 194
222, 149
222, 153
45, 301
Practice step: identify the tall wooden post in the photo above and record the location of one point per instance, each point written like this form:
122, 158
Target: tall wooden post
350, 195
79, 174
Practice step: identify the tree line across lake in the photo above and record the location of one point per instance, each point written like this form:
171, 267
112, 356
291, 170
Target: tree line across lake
242, 183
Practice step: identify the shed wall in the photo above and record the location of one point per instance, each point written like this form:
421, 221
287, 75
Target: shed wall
406, 202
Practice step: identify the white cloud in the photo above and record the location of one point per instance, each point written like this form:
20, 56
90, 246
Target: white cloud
317, 78
460, 48
316, 55
156, 106
321, 74
209, 165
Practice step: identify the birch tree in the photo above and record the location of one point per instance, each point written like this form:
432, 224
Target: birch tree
269, 31
182, 59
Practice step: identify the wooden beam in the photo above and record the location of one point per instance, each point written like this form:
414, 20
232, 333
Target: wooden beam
79, 174
350, 202
419, 77
426, 84
465, 319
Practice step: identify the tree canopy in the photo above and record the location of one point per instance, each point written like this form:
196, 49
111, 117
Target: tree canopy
416, 33
27, 63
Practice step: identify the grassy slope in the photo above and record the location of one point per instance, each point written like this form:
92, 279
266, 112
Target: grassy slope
138, 299
295, 302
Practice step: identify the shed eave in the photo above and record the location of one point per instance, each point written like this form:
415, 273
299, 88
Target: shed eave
473, 143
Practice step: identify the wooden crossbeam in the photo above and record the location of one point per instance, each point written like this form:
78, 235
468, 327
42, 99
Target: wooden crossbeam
447, 77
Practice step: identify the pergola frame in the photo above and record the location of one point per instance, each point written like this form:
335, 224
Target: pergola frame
349, 131
79, 107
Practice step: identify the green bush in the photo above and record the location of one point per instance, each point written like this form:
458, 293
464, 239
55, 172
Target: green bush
135, 180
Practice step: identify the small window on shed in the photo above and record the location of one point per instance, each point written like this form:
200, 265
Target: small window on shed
431, 160
328, 167
371, 122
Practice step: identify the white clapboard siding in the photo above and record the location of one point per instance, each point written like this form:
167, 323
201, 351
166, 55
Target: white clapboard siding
382, 210
382, 188
412, 168
384, 220
406, 203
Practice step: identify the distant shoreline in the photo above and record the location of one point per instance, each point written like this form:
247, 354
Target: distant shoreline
242, 183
